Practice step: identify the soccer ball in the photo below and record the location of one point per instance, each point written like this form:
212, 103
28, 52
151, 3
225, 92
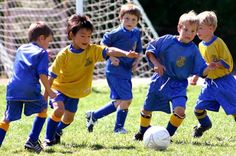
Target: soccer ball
156, 137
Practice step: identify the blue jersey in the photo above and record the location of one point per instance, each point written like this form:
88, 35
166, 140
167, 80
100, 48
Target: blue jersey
31, 60
125, 40
180, 59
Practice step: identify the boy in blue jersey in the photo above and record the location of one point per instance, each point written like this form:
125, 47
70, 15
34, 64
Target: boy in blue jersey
119, 70
71, 74
220, 85
174, 59
23, 89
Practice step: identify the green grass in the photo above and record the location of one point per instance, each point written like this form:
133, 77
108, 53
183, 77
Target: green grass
220, 140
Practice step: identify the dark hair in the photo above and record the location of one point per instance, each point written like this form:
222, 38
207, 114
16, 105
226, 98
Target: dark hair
129, 8
76, 22
37, 29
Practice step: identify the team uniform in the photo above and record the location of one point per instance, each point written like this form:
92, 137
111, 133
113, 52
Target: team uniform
73, 73
119, 77
180, 60
24, 90
220, 85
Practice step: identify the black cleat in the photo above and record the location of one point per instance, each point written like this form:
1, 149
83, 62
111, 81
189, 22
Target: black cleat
199, 130
58, 137
138, 136
33, 146
90, 122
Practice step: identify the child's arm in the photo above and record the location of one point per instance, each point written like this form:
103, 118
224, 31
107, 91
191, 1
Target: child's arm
112, 51
114, 61
210, 66
47, 85
136, 62
158, 68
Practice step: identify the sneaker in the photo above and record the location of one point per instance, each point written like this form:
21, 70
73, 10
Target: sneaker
90, 121
199, 130
138, 136
58, 137
121, 130
33, 146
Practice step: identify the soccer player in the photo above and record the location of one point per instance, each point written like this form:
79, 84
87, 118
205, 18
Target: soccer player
220, 85
23, 89
71, 74
119, 70
174, 58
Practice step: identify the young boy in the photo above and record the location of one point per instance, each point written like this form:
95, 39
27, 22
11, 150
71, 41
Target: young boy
174, 59
119, 71
220, 85
71, 74
23, 90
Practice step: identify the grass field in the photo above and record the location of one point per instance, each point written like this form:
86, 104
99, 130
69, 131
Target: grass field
220, 140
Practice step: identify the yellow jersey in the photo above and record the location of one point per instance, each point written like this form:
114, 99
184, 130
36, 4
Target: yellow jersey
74, 70
216, 50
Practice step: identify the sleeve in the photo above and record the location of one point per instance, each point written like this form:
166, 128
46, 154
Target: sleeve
57, 64
100, 53
225, 56
107, 39
42, 67
199, 64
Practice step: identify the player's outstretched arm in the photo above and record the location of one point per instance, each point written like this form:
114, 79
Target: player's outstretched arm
112, 51
47, 85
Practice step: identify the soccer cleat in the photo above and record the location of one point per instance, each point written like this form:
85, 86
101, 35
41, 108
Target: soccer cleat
121, 130
138, 136
58, 137
199, 130
90, 121
33, 146
47, 143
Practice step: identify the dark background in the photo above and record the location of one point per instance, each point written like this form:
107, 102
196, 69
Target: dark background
164, 15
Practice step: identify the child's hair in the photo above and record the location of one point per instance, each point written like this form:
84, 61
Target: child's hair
37, 29
208, 18
129, 8
190, 17
76, 22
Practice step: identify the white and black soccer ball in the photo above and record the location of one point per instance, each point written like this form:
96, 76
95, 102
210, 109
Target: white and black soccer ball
156, 137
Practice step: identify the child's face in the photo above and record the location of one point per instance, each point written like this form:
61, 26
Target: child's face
129, 21
205, 32
82, 38
44, 41
187, 32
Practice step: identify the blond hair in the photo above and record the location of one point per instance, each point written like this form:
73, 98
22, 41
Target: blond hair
190, 17
208, 18
129, 8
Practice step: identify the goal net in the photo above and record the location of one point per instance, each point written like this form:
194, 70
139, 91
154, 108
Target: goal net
17, 15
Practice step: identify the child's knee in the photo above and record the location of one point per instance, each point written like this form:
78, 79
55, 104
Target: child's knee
180, 112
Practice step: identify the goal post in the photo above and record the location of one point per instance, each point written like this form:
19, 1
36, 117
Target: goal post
17, 15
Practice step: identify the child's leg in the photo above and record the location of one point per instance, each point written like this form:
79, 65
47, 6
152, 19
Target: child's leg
54, 120
4, 125
175, 120
67, 119
38, 125
121, 115
145, 123
203, 118
104, 111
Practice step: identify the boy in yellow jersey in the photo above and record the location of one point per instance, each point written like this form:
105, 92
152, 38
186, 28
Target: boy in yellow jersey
220, 85
71, 74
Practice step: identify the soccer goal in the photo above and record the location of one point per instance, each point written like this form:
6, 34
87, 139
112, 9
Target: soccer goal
17, 15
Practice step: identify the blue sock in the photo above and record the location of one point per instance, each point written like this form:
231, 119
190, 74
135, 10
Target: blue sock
2, 135
61, 126
120, 118
104, 111
171, 129
205, 122
36, 128
51, 129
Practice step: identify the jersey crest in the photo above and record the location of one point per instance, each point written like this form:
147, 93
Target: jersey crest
181, 61
88, 61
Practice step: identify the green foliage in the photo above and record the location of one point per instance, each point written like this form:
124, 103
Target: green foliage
220, 140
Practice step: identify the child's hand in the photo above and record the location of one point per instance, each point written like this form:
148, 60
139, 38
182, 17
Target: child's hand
134, 66
52, 95
213, 65
132, 54
160, 69
114, 61
193, 80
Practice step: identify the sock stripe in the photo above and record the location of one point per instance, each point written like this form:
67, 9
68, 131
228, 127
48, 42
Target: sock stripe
54, 118
4, 125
